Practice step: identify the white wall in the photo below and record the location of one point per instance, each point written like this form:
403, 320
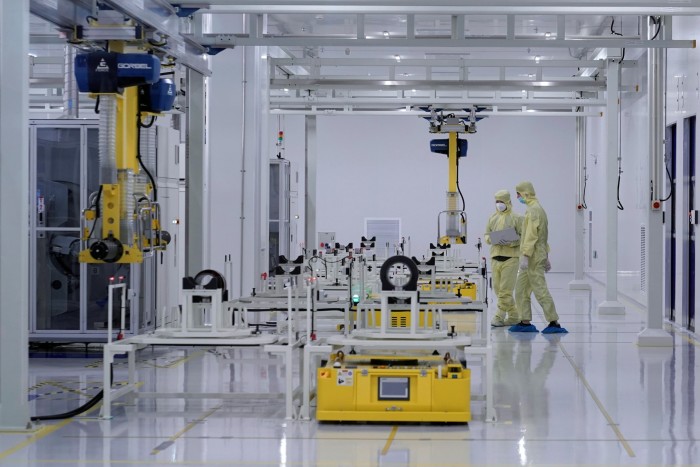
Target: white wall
634, 188
682, 101
228, 183
383, 167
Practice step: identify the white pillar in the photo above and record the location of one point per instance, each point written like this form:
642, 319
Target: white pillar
197, 166
310, 211
14, 212
611, 306
261, 106
654, 335
579, 283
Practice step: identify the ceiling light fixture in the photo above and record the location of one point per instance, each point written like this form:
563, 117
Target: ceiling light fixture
537, 59
386, 33
547, 34
397, 57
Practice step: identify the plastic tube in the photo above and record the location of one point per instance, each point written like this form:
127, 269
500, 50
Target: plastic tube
108, 139
128, 203
148, 148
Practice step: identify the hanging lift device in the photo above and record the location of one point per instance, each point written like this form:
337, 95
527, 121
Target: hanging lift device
122, 223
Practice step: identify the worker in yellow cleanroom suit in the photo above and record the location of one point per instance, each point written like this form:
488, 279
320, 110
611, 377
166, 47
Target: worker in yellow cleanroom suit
504, 259
534, 262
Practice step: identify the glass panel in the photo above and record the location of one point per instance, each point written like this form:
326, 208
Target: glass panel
58, 177
274, 245
58, 281
274, 192
93, 161
98, 276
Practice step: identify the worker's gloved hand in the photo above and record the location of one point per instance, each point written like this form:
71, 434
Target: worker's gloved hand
524, 262
547, 265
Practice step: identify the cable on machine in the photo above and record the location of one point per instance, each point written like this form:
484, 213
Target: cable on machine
140, 125
77, 411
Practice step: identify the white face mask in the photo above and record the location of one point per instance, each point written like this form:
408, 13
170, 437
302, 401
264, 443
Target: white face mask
501, 206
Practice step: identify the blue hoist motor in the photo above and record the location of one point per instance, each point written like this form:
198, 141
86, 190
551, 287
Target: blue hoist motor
109, 72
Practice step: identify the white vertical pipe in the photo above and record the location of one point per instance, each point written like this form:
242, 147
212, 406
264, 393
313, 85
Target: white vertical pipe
244, 66
654, 335
579, 283
310, 197
308, 314
14, 205
611, 306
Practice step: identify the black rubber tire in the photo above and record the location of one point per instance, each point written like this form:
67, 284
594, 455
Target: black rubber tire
396, 260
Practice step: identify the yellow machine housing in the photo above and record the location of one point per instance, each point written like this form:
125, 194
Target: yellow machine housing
399, 318
466, 289
124, 248
393, 389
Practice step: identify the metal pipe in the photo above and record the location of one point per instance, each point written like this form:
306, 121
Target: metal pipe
416, 113
244, 66
448, 7
579, 283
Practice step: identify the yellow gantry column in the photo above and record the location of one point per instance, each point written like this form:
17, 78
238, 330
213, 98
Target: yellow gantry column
452, 162
127, 110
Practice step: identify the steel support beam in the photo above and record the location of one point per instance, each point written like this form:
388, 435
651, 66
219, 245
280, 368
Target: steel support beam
581, 84
418, 113
237, 40
469, 62
455, 7
62, 13
579, 283
160, 16
653, 334
196, 196
611, 306
155, 14
311, 159
14, 212
446, 103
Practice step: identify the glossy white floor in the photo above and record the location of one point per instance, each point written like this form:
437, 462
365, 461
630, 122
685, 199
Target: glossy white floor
591, 397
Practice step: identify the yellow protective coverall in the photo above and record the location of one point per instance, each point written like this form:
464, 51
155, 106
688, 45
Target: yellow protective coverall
504, 261
533, 244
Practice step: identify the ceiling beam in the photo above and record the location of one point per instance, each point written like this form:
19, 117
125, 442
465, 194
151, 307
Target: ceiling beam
465, 85
457, 62
418, 113
455, 7
422, 101
235, 40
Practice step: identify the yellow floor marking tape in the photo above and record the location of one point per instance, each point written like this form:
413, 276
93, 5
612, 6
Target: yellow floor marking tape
67, 389
177, 362
47, 430
188, 427
42, 433
597, 401
392, 435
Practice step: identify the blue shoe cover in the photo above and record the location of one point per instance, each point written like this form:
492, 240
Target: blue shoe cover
554, 330
523, 328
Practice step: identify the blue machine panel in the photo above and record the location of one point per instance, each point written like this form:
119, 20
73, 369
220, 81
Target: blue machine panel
441, 146
107, 72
